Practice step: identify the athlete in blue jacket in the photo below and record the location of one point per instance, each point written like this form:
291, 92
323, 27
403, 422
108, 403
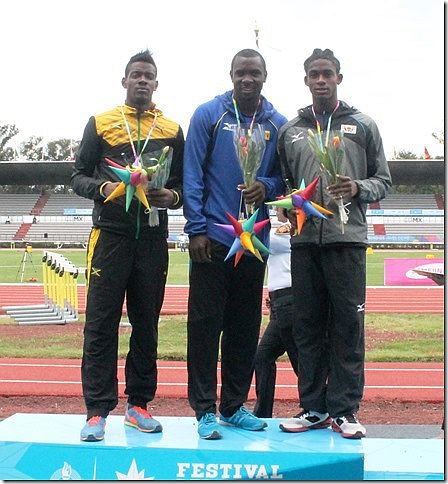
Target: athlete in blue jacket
225, 300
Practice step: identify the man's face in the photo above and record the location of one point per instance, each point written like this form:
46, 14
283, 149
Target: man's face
140, 83
323, 80
248, 75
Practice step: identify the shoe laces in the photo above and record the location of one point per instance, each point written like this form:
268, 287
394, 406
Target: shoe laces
303, 413
350, 418
141, 411
209, 418
244, 410
94, 420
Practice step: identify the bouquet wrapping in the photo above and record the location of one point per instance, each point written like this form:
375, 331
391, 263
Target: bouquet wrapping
158, 166
330, 154
250, 145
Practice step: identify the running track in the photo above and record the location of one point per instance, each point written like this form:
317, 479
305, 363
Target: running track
422, 382
417, 299
404, 381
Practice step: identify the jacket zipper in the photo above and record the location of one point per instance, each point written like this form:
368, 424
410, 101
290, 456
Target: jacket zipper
321, 230
137, 231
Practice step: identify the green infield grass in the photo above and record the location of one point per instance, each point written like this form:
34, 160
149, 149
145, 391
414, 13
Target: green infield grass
389, 337
17, 265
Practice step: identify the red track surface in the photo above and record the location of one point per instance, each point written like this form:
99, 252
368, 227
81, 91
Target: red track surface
402, 381
379, 299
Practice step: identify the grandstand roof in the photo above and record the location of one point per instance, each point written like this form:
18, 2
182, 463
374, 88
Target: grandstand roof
404, 172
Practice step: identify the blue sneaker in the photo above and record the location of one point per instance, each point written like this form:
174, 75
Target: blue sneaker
244, 419
208, 427
141, 419
93, 430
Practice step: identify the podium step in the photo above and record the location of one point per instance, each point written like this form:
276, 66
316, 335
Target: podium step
46, 446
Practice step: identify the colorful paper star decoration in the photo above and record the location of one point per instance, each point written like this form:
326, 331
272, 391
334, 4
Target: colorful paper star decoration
301, 200
133, 179
246, 240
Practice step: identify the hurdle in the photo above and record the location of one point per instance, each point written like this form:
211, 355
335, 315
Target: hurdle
60, 294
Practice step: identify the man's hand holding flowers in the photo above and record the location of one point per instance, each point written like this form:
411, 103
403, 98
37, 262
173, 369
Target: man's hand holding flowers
255, 194
161, 197
344, 187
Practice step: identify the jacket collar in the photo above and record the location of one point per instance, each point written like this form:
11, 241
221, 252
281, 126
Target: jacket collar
151, 112
343, 110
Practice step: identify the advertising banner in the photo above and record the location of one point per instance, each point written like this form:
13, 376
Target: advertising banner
413, 272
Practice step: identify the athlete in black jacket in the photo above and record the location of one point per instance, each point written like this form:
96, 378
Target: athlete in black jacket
126, 255
328, 257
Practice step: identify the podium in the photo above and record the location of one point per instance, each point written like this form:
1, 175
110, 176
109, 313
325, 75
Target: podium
47, 447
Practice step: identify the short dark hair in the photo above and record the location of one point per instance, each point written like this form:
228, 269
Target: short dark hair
322, 54
143, 56
248, 53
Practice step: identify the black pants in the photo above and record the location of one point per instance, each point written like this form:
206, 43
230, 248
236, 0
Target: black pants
277, 339
119, 266
329, 295
224, 302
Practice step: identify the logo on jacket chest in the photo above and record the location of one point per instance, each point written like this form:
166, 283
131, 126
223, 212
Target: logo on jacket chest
297, 137
348, 128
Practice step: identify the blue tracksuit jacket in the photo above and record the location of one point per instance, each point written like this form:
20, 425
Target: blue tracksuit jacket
212, 171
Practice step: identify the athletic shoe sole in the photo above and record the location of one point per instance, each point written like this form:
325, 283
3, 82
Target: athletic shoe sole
92, 438
155, 430
296, 429
357, 435
228, 424
215, 435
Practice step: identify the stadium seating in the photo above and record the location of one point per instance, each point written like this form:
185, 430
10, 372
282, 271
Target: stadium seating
59, 231
415, 229
402, 201
58, 203
66, 218
17, 203
8, 231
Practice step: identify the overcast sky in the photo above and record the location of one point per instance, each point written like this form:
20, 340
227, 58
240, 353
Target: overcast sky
63, 61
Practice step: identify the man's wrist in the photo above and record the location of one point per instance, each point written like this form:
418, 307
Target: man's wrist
176, 197
102, 188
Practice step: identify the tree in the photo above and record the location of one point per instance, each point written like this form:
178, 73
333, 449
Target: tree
406, 155
61, 149
440, 137
7, 132
32, 149
35, 149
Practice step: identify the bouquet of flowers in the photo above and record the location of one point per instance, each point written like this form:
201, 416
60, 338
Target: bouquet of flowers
330, 155
250, 145
158, 169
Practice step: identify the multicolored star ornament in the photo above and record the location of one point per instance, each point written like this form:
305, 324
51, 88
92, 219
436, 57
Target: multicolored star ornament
134, 179
245, 232
301, 200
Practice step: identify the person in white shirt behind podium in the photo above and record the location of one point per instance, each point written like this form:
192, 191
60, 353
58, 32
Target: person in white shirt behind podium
277, 338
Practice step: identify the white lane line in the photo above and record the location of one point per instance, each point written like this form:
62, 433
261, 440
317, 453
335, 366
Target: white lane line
396, 387
184, 367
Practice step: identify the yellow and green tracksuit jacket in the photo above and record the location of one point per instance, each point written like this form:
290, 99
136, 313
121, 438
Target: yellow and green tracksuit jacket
106, 136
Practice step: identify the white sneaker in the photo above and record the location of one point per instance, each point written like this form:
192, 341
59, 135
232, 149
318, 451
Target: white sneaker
306, 420
349, 427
